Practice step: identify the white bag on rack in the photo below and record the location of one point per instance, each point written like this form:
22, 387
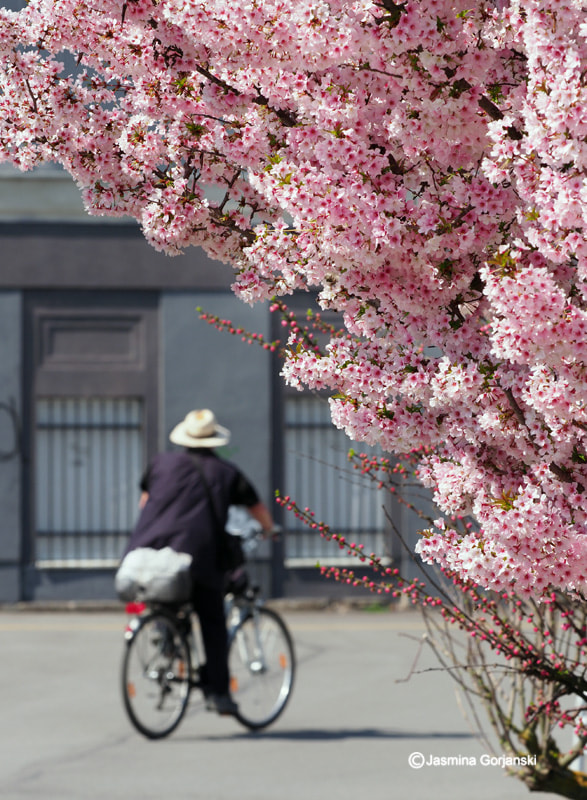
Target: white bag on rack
150, 575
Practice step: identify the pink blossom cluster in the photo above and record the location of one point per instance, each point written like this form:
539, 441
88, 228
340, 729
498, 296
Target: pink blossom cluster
420, 166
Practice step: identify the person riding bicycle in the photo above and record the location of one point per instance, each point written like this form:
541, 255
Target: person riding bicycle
184, 505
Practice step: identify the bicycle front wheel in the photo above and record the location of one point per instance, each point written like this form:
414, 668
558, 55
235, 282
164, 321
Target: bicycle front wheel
156, 676
262, 666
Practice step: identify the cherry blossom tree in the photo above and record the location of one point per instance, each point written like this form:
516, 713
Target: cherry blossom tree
420, 165
518, 662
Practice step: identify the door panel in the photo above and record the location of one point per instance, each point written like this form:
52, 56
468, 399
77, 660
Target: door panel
91, 360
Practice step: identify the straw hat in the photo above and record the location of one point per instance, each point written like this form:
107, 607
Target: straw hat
200, 429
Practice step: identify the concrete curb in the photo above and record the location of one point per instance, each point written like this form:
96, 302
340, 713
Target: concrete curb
328, 604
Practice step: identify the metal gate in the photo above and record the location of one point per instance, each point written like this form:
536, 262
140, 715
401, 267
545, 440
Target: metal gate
317, 474
89, 459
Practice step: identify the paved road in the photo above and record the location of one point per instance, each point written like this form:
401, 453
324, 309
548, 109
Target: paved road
348, 732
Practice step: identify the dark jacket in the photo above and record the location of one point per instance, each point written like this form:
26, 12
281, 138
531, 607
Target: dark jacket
178, 512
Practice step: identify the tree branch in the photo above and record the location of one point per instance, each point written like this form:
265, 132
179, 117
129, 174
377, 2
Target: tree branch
287, 117
33, 98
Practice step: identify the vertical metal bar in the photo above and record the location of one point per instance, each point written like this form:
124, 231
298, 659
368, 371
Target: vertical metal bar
49, 476
128, 472
127, 468
115, 522
59, 447
69, 544
76, 456
55, 450
99, 457
92, 501
84, 531
41, 502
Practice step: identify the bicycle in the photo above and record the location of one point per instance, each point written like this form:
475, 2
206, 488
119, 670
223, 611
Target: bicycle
162, 663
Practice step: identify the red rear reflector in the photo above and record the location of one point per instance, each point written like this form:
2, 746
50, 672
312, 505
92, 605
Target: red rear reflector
135, 608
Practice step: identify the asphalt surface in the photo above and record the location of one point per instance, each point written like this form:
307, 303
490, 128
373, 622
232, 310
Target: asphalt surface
350, 731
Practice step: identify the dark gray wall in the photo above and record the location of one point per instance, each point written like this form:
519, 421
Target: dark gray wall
43, 255
207, 368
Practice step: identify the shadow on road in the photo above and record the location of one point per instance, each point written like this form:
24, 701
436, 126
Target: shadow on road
337, 734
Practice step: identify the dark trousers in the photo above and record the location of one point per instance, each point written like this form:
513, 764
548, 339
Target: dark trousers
208, 604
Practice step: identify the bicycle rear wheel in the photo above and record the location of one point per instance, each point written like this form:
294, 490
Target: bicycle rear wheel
262, 666
156, 676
